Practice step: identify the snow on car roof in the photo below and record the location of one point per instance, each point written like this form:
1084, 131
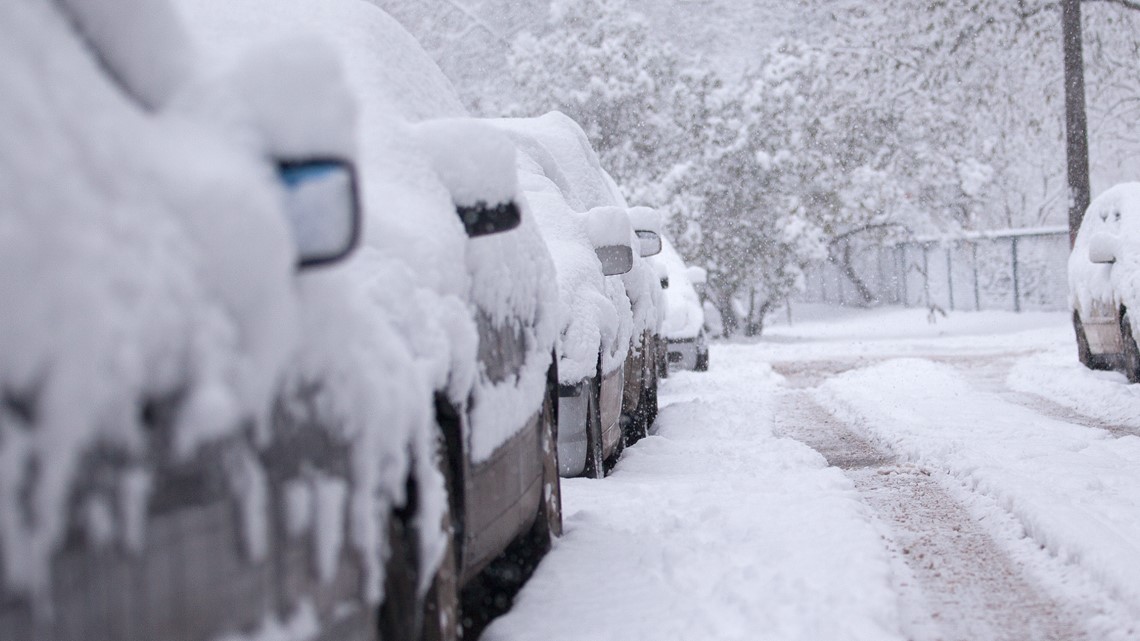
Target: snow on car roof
567, 159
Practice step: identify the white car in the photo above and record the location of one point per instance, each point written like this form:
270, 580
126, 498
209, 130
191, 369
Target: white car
684, 327
1104, 282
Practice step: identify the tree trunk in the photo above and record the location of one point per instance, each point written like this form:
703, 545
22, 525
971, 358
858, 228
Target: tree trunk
866, 296
727, 313
1076, 126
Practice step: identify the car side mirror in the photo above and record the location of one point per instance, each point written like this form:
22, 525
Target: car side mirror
482, 219
323, 209
649, 243
475, 161
611, 235
697, 275
1103, 248
616, 259
646, 222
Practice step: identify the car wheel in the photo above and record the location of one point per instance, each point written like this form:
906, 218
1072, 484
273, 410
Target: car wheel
441, 604
492, 592
403, 616
595, 459
651, 403
702, 362
1084, 353
1131, 352
550, 510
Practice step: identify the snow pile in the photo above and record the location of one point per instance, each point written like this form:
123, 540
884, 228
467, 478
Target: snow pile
712, 528
684, 316
1058, 376
475, 161
825, 331
645, 219
607, 226
1075, 490
1115, 214
264, 98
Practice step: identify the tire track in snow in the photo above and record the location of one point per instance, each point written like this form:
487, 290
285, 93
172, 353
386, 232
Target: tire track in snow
953, 580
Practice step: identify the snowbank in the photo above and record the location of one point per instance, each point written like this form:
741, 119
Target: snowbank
712, 528
1075, 490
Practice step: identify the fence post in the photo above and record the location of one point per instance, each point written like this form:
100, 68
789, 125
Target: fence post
881, 286
926, 273
1016, 283
977, 289
950, 276
904, 295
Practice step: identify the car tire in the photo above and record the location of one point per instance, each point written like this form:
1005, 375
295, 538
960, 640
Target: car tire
492, 592
403, 616
1084, 353
1131, 352
651, 403
595, 457
550, 509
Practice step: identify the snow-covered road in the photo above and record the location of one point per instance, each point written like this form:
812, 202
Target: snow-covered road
870, 477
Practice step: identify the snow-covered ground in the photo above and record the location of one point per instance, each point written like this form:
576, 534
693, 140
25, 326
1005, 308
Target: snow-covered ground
863, 475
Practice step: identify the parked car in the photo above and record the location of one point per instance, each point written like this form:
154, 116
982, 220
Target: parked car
647, 298
476, 308
1103, 269
154, 330
684, 327
608, 385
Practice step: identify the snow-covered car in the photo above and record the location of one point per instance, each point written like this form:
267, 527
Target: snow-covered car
684, 326
154, 332
604, 319
1104, 282
476, 309
647, 299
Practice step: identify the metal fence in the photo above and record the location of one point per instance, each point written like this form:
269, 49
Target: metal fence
1013, 270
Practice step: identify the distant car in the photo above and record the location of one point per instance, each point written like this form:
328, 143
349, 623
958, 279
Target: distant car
684, 327
1104, 272
608, 380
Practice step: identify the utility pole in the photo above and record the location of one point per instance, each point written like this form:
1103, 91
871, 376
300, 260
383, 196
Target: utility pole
1076, 125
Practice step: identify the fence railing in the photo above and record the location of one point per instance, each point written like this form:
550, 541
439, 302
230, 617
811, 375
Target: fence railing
1014, 270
